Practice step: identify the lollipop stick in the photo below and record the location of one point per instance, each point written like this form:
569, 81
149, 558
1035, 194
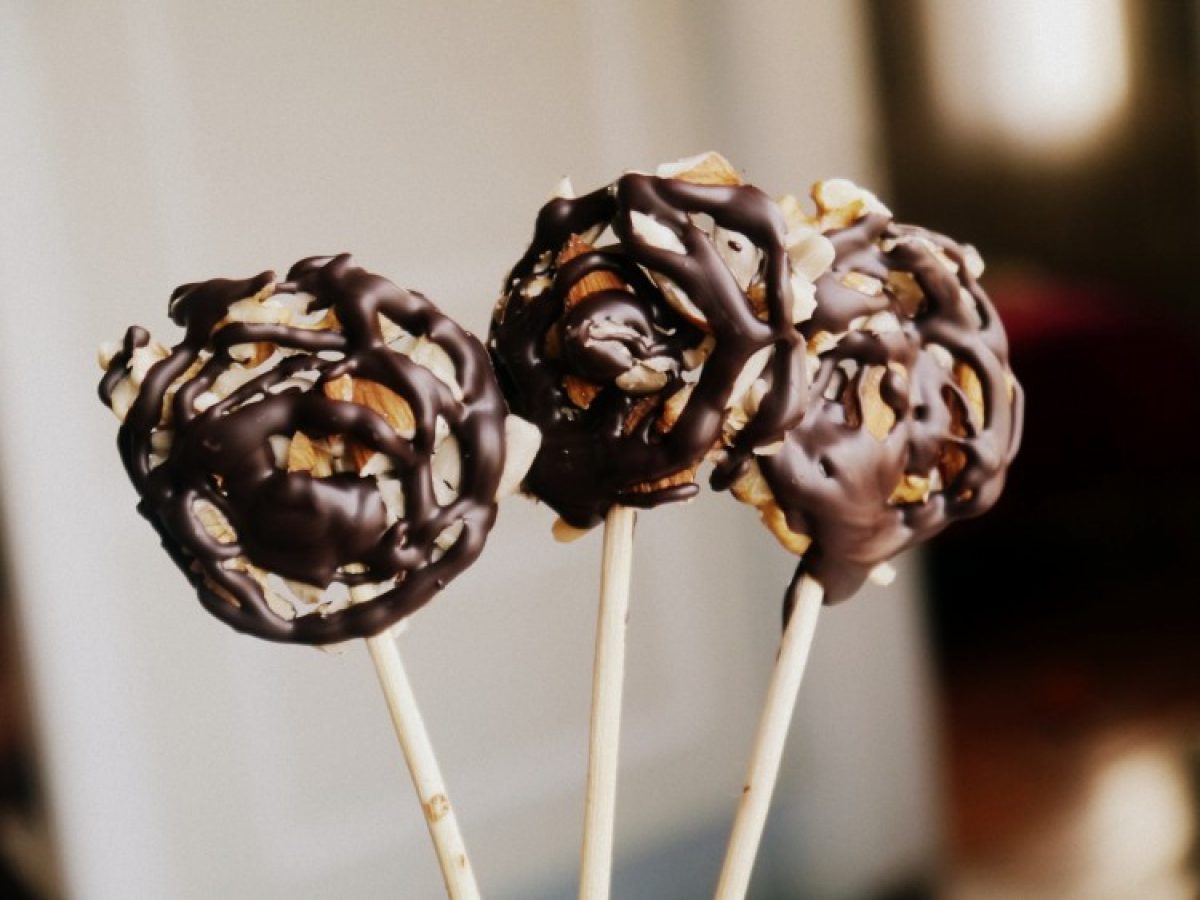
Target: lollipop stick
608, 678
768, 743
423, 766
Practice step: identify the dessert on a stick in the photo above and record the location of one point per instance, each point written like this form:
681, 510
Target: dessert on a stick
320, 456
913, 419
650, 323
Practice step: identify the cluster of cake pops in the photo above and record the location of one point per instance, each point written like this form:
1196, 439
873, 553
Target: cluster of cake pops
322, 454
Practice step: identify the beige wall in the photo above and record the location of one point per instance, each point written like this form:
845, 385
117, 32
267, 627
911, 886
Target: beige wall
146, 144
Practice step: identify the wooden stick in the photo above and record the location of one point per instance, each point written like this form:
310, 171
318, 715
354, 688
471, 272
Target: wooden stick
423, 766
608, 679
768, 743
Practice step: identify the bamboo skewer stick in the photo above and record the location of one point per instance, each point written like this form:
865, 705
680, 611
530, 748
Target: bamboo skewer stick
608, 678
769, 741
424, 769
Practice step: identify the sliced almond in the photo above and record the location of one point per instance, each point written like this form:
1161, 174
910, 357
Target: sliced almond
304, 455
564, 532
589, 284
637, 413
877, 416
673, 408
214, 522
707, 168
804, 298
522, 441
751, 370
261, 353
740, 255
318, 320
910, 489
431, 355
564, 190
757, 295
383, 400
580, 391
655, 233
841, 202
907, 291
107, 352
773, 517
951, 461
752, 488
810, 252
684, 476
968, 379
795, 215
679, 300
864, 284
642, 378
822, 342
340, 388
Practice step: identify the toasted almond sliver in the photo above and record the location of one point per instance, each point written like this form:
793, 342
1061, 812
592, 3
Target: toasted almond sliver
589, 284
752, 488
878, 417
340, 388
773, 517
972, 388
864, 284
580, 391
673, 408
636, 414
214, 522
655, 233
374, 396
911, 489
564, 532
706, 168
306, 456
387, 403
683, 476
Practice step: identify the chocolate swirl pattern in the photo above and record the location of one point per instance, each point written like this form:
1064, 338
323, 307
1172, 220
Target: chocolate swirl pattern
650, 323
319, 455
914, 414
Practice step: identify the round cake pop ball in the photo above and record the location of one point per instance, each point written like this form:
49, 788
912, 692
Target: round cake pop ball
650, 323
320, 455
914, 413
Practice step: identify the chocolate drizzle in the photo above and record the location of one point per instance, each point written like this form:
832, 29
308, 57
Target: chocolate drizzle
622, 444
861, 496
313, 530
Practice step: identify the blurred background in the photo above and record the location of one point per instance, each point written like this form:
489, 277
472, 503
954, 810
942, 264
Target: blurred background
1018, 717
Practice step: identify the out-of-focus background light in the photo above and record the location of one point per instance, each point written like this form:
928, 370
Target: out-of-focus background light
1047, 78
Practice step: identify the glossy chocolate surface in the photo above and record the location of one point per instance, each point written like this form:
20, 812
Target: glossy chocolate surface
834, 479
592, 313
313, 530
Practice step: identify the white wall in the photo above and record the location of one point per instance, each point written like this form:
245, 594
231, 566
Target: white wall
147, 144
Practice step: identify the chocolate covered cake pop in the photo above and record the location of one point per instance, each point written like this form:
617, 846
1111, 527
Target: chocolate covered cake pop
319, 455
914, 414
649, 323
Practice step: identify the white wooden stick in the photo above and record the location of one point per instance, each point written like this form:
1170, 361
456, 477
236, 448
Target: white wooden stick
608, 679
423, 766
768, 743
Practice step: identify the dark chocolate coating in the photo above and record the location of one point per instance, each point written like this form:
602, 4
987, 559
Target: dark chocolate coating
834, 479
592, 459
298, 526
